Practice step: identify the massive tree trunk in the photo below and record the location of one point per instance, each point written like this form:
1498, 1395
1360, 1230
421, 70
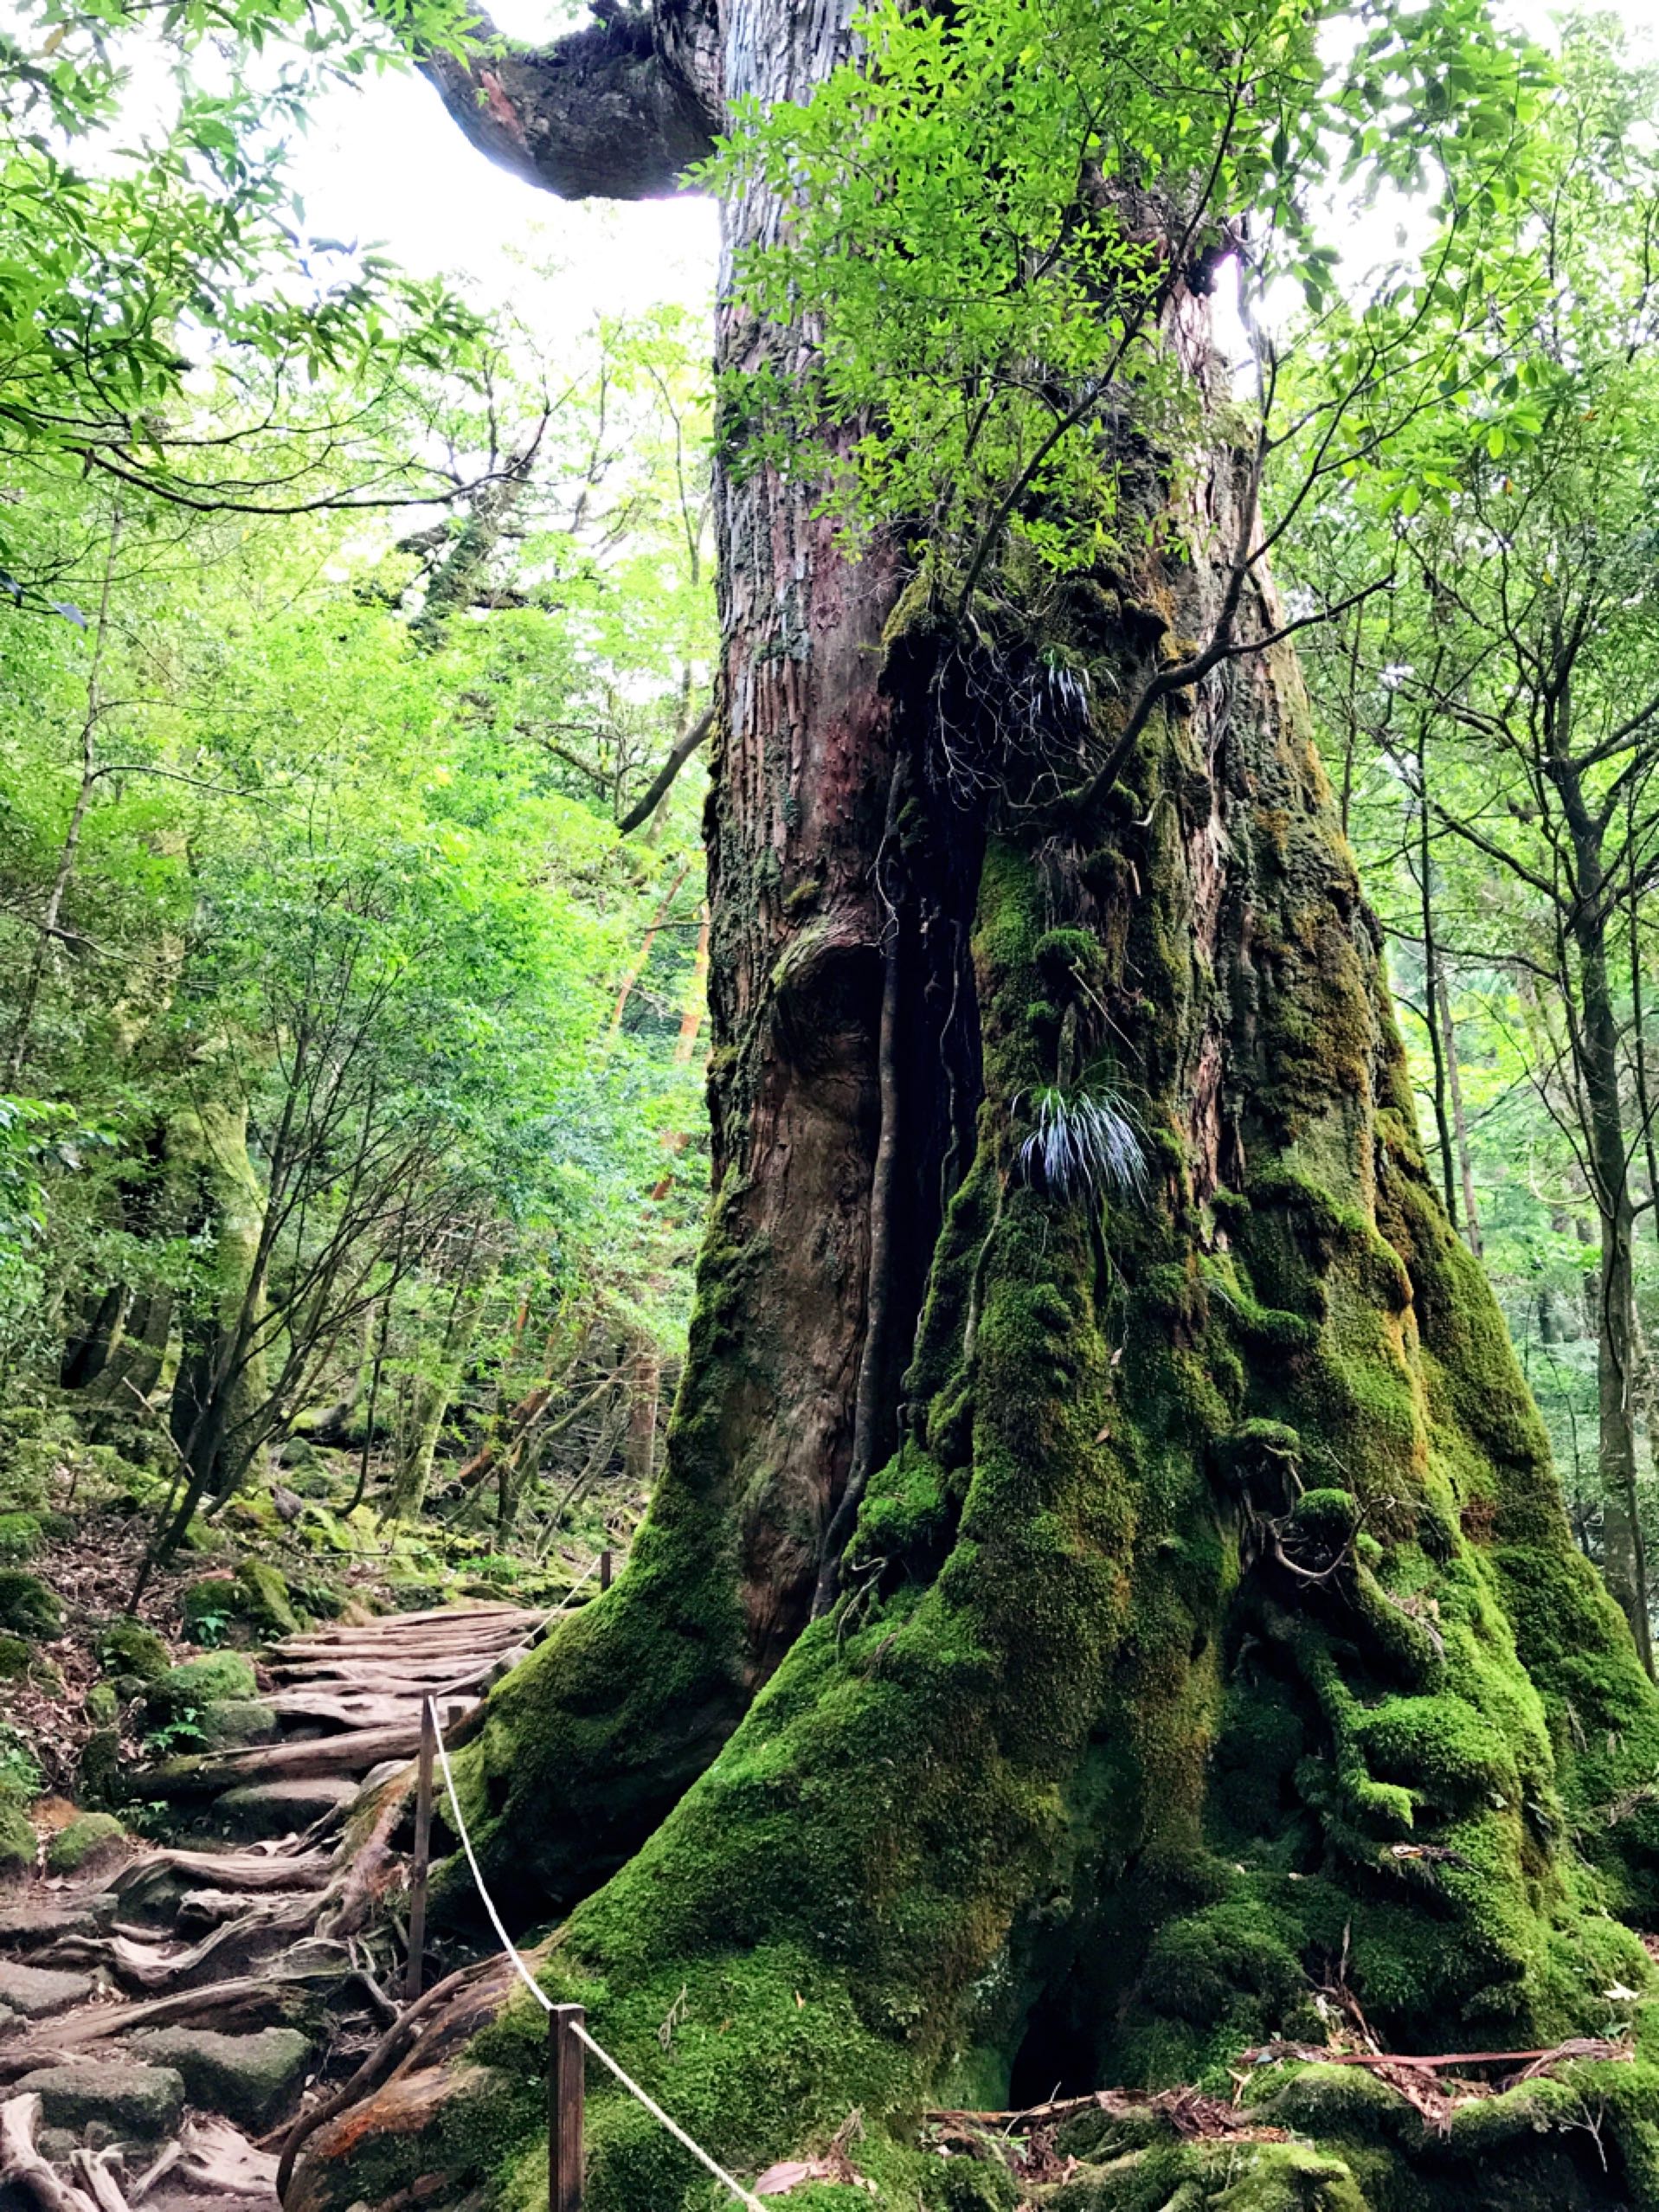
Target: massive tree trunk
1212, 1661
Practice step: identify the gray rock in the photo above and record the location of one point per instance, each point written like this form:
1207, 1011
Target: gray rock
134, 2100
238, 1721
261, 1808
250, 2079
39, 1992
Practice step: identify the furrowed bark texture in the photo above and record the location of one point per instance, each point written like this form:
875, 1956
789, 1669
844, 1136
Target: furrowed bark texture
1213, 1663
643, 1688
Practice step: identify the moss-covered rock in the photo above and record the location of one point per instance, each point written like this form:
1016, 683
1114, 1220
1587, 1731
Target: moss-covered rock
127, 1648
251, 1605
141, 2101
195, 1684
27, 1606
265, 1605
252, 2079
15, 1656
92, 1839
18, 1848
232, 1723
101, 1776
20, 1537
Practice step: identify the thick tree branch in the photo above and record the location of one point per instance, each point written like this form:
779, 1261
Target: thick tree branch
618, 110
656, 790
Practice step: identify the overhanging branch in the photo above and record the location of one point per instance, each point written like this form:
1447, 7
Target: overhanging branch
618, 110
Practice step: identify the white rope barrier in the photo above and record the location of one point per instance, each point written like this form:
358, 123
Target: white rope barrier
663, 2120
726, 2180
506, 1940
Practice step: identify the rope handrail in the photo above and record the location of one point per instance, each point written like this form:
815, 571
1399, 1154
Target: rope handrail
743, 2196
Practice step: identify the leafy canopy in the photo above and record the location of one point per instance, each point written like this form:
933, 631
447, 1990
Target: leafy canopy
995, 212
162, 318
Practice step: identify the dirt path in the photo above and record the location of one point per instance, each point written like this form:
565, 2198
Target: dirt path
164, 2020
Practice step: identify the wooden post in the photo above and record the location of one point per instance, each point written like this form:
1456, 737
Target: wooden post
422, 1855
605, 1569
566, 2074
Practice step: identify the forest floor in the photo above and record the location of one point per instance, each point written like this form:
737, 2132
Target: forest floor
190, 1952
169, 2013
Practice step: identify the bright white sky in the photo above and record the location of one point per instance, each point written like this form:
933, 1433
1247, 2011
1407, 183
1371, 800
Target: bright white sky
385, 164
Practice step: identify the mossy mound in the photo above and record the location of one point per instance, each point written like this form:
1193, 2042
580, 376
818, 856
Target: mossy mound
233, 1723
27, 1606
251, 1605
127, 1648
20, 1537
87, 1841
16, 1656
18, 1848
213, 1679
1580, 2139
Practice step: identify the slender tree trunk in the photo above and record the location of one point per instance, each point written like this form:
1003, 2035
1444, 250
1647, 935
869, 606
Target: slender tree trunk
1433, 992
431, 1396
220, 1388
1596, 1058
1625, 1549
1471, 1222
45, 945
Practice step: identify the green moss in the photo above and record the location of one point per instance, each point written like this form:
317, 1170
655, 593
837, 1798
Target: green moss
210, 1679
253, 1600
264, 1601
21, 1536
17, 1844
28, 1607
1213, 1642
82, 1840
127, 1647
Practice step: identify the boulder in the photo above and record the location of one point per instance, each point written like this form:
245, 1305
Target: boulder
127, 1648
252, 1605
100, 1776
91, 1839
265, 1809
195, 1684
27, 1606
252, 2079
238, 1721
37, 1992
266, 1603
146, 2101
16, 1653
